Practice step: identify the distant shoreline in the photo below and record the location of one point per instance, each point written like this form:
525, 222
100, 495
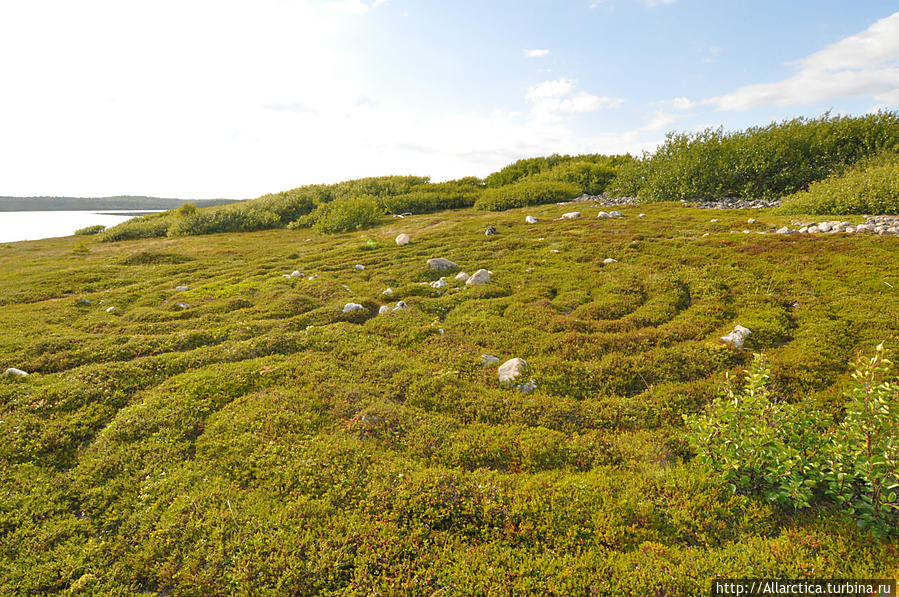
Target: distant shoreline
135, 203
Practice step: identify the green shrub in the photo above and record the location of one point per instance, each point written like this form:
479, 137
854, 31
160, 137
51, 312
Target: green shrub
591, 178
89, 230
525, 193
870, 188
344, 215
786, 452
762, 162
149, 226
222, 219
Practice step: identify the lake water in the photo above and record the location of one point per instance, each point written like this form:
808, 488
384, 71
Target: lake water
34, 225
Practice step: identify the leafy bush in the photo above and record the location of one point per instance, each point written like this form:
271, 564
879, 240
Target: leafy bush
428, 198
768, 162
870, 188
89, 230
149, 226
224, 219
590, 177
786, 452
343, 215
525, 193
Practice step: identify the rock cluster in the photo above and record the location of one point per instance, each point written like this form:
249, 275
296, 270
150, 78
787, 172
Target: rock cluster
604, 200
873, 224
733, 203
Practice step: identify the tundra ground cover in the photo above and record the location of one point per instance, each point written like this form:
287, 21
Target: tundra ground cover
245, 436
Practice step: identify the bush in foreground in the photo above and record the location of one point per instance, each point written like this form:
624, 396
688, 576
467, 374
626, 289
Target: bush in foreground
870, 188
790, 454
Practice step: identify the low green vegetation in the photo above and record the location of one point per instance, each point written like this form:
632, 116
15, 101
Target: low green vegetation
90, 230
760, 162
229, 430
872, 187
526, 193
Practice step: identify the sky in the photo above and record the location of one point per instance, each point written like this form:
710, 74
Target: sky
234, 99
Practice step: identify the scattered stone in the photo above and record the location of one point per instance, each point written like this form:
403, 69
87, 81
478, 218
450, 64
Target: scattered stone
387, 292
554, 250
571, 215
83, 302
824, 227
604, 215
285, 276
13, 372
603, 200
490, 231
641, 215
441, 283
359, 267
488, 360
784, 230
706, 234
751, 221
400, 306
402, 239
352, 307
813, 230
531, 220
527, 387
733, 203
803, 230
384, 309
462, 277
439, 264
313, 276
609, 260
110, 310
616, 214
481, 276
296, 274
182, 306
849, 229
713, 220
182, 288
736, 337
511, 370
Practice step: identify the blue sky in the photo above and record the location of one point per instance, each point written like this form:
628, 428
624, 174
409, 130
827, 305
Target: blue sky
231, 98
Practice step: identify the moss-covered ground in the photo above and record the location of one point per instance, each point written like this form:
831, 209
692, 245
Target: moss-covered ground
259, 441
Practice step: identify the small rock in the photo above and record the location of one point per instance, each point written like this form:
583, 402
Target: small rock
296, 274
384, 309
83, 302
531, 220
713, 220
736, 337
402, 239
182, 288
462, 277
609, 260
784, 230
824, 227
400, 306
511, 370
182, 306
604, 215
481, 276
706, 234
616, 214
803, 230
441, 283
285, 276
571, 215
439, 264
110, 309
359, 267
641, 215
387, 292
849, 229
554, 250
352, 307
490, 231
527, 387
13, 372
488, 360
751, 221
313, 276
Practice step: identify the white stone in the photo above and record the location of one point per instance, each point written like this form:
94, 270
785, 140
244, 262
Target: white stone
803, 230
824, 227
849, 229
571, 215
296, 274
481, 276
351, 307
751, 221
313, 276
784, 230
182, 288
713, 220
736, 338
384, 309
641, 215
604, 215
13, 372
401, 305
616, 214
554, 250
462, 277
387, 292
110, 309
531, 220
182, 306
441, 283
609, 260
402, 239
439, 264
813, 229
511, 370
359, 267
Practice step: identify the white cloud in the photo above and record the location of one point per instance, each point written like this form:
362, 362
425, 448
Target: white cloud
861, 65
356, 7
536, 53
555, 99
